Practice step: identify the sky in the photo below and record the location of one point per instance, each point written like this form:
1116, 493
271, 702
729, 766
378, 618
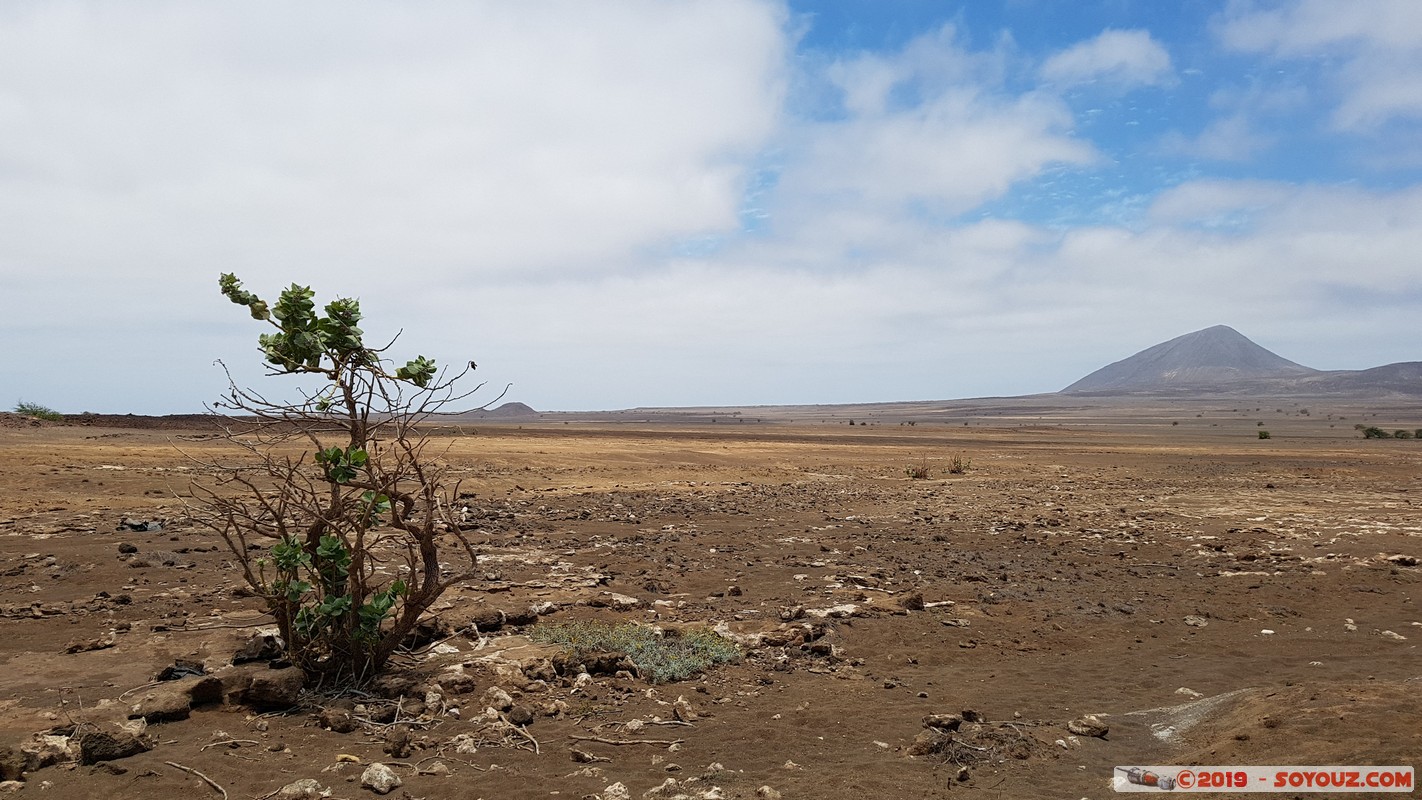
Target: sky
710, 202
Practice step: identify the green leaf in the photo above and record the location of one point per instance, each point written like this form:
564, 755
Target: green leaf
419, 371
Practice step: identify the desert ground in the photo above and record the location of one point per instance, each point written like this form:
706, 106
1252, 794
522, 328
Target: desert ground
1210, 597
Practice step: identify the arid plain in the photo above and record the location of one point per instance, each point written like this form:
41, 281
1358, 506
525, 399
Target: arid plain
1211, 597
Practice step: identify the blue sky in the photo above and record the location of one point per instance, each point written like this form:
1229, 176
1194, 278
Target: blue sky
709, 202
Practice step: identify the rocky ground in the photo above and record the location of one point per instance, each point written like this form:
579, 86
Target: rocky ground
1078, 597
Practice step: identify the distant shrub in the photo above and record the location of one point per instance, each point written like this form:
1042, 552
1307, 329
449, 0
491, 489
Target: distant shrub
659, 657
957, 465
38, 411
1263, 434
1417, 434
1402, 435
1374, 432
917, 472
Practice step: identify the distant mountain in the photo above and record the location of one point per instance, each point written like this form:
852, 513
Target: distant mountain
509, 411
1222, 360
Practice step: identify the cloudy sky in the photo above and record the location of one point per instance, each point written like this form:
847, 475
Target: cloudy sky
639, 202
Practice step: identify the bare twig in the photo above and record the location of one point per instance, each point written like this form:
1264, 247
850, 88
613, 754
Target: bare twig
229, 742
602, 740
205, 779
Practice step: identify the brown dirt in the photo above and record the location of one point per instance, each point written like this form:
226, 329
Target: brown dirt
1058, 572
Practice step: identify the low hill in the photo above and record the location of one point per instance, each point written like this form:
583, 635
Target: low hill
1208, 357
1221, 360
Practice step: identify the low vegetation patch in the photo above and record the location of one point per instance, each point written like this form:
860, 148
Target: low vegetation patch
38, 411
660, 656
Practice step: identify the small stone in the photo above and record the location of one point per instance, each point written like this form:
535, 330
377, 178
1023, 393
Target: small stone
337, 720
947, 722
437, 768
616, 791
11, 786
379, 779
767, 793
521, 715
1088, 725
1266, 632
1396, 637
1188, 692
498, 699
398, 742
1196, 622
304, 789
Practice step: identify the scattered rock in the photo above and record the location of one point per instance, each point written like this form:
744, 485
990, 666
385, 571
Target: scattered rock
1196, 622
767, 793
337, 720
304, 789
261, 647
379, 779
912, 602
127, 548
1403, 560
45, 750
498, 699
174, 700
1393, 635
616, 791
1088, 725
98, 643
399, 742
111, 745
12, 764
266, 689
521, 715
947, 722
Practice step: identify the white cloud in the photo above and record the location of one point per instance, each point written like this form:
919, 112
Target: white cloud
462, 138
929, 126
1124, 58
1378, 44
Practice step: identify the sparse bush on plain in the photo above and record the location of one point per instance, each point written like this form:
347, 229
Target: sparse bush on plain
918, 472
1402, 434
38, 411
1263, 434
660, 656
334, 516
1374, 432
958, 465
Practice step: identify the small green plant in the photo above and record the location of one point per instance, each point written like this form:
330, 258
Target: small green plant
38, 411
660, 656
1263, 434
958, 465
1374, 432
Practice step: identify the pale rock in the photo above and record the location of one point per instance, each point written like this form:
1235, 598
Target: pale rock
304, 789
616, 791
1088, 725
379, 779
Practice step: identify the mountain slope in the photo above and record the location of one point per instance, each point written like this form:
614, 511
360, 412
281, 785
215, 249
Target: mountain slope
1202, 359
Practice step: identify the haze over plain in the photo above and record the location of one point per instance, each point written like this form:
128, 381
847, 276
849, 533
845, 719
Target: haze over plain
730, 202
